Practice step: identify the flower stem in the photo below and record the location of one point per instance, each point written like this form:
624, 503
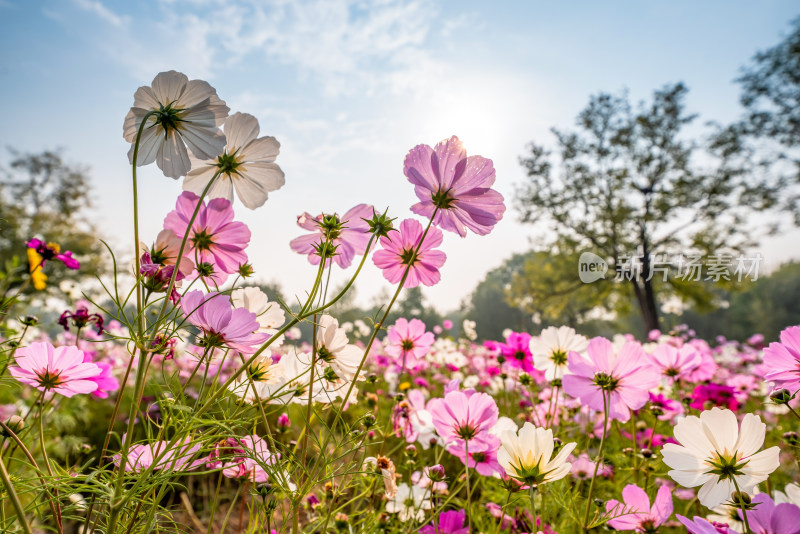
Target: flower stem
469, 493
597, 462
12, 495
532, 495
741, 506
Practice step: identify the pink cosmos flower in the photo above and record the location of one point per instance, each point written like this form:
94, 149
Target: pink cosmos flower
398, 250
80, 318
782, 360
675, 363
484, 462
178, 458
464, 420
60, 369
408, 342
51, 251
216, 242
625, 377
221, 324
769, 518
639, 516
583, 467
460, 186
702, 526
246, 457
105, 380
350, 241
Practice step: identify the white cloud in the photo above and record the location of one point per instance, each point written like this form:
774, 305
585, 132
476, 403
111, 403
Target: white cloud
97, 7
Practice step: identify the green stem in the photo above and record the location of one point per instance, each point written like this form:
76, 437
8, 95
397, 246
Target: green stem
469, 494
532, 495
15, 502
741, 506
597, 462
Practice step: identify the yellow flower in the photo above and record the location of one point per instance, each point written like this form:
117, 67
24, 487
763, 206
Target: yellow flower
38, 277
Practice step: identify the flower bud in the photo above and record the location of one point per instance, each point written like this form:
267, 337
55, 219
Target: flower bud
283, 421
781, 396
646, 453
411, 451
436, 473
15, 424
341, 520
525, 379
792, 439
29, 320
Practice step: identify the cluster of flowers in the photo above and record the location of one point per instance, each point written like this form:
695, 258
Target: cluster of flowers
522, 415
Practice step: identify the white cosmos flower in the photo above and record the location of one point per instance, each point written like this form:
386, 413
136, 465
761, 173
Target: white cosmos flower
409, 502
188, 112
714, 452
247, 165
333, 348
526, 456
551, 348
790, 494
262, 372
270, 315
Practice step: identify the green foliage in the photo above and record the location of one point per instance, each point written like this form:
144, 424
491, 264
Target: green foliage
43, 196
630, 184
765, 306
489, 307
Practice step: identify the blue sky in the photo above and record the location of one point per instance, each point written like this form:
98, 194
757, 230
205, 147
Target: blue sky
348, 87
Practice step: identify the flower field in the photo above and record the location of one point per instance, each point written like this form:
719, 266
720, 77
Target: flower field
183, 398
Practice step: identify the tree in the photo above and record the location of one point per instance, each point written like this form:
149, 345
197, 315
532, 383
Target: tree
771, 97
488, 305
42, 196
630, 187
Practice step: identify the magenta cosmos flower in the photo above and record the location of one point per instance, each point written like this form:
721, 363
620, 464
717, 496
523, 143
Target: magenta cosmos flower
349, 235
639, 516
516, 350
460, 186
398, 251
624, 378
221, 324
51, 251
769, 518
702, 526
61, 369
782, 360
216, 242
463, 420
408, 342
450, 522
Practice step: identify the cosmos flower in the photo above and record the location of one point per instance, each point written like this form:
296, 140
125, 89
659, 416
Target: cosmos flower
623, 377
698, 525
187, 112
484, 462
782, 360
635, 513
527, 455
408, 342
551, 348
460, 186
463, 419
222, 325
39, 253
348, 234
105, 379
517, 352
58, 369
247, 165
770, 518
80, 318
410, 503
270, 315
714, 451
397, 255
674, 363
450, 522
333, 349
158, 455
215, 241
